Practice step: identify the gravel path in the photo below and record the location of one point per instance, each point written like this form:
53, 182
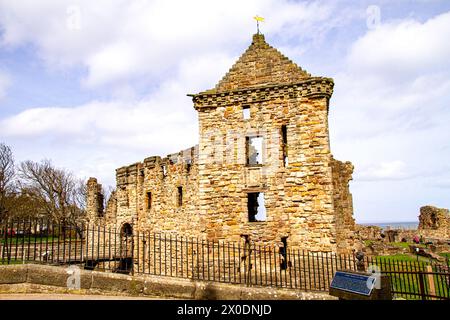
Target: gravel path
67, 296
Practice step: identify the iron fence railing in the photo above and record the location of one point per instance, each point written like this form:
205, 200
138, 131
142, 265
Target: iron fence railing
248, 263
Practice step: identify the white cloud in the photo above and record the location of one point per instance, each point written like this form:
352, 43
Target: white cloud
173, 47
99, 136
393, 170
5, 82
389, 116
390, 87
403, 49
117, 41
128, 124
112, 62
95, 138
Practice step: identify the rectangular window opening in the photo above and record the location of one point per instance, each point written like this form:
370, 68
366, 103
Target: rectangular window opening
256, 207
188, 166
180, 196
284, 144
246, 112
254, 147
141, 176
149, 200
123, 197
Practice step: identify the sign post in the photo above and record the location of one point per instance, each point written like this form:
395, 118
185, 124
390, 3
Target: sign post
354, 285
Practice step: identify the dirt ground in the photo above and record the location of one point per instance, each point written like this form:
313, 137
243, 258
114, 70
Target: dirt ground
67, 296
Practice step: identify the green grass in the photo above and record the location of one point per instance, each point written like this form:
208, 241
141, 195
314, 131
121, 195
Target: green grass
445, 254
406, 245
12, 261
404, 258
19, 240
396, 244
410, 282
400, 244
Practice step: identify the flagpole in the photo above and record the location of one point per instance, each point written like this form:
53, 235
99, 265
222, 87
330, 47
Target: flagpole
258, 19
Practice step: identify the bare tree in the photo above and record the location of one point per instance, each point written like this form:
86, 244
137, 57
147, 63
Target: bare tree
62, 195
24, 204
7, 173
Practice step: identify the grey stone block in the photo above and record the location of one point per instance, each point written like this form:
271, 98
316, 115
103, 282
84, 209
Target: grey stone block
169, 287
216, 291
117, 282
56, 276
15, 273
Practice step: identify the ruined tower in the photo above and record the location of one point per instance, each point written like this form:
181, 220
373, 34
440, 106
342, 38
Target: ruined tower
94, 205
262, 170
268, 104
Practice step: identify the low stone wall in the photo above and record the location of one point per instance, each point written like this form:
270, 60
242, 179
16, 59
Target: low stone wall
164, 287
368, 233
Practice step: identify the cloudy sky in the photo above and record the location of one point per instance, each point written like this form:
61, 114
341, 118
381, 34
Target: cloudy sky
95, 85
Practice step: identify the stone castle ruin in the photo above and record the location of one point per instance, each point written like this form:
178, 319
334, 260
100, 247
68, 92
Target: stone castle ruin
262, 170
434, 222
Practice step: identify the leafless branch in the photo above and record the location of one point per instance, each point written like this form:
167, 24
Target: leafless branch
7, 174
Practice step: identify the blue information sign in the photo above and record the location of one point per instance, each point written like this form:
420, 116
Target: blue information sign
355, 283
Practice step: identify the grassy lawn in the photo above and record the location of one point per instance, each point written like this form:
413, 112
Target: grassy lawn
406, 245
404, 282
396, 244
12, 261
403, 258
32, 239
445, 254
400, 244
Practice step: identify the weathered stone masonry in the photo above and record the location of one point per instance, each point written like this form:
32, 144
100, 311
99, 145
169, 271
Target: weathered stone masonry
305, 191
434, 222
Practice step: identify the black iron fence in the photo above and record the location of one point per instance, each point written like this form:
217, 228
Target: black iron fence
248, 263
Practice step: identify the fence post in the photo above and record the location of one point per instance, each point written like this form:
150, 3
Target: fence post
132, 253
422, 285
23, 255
430, 277
8, 249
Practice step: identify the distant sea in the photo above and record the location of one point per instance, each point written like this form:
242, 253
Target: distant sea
394, 225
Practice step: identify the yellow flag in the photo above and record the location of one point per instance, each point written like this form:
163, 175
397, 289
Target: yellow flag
258, 18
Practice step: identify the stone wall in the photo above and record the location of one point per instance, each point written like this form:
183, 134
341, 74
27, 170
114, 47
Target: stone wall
372, 233
343, 206
162, 178
434, 222
50, 278
94, 200
298, 196
111, 209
